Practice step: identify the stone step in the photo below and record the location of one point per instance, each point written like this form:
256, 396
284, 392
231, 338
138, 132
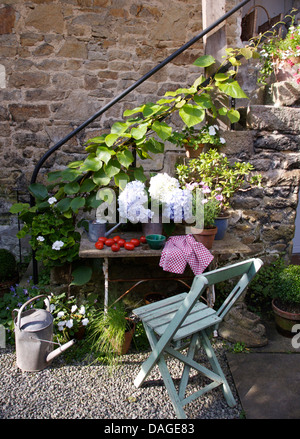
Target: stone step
271, 118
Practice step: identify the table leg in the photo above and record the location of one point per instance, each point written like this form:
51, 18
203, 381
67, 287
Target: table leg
105, 272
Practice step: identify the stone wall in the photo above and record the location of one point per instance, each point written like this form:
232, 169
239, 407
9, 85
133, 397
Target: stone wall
63, 60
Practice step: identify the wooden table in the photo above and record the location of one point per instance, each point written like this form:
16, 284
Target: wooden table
229, 245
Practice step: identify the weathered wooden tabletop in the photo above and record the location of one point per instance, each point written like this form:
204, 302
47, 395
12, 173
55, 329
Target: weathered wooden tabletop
229, 244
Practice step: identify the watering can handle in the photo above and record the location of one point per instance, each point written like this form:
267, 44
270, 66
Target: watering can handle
27, 303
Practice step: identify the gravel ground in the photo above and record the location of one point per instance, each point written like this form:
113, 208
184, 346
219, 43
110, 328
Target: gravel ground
82, 390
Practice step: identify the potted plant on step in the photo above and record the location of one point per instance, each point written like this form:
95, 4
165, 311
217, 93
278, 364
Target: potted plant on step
286, 304
213, 169
206, 208
194, 140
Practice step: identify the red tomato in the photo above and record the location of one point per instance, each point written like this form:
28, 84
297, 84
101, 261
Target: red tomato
116, 238
109, 242
143, 239
99, 245
121, 242
115, 247
102, 239
135, 242
129, 246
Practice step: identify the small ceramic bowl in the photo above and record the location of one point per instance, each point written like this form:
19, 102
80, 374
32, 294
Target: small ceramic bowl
155, 241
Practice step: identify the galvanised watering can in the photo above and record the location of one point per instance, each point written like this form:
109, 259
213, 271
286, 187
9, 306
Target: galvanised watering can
34, 337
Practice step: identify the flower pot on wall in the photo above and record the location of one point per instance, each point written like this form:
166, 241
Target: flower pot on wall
205, 236
191, 152
285, 320
222, 225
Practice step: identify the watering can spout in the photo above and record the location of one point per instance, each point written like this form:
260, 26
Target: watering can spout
59, 350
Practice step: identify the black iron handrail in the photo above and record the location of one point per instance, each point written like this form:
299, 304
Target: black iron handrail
118, 98
133, 87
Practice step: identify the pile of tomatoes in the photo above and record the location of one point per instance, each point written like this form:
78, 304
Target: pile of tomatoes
116, 243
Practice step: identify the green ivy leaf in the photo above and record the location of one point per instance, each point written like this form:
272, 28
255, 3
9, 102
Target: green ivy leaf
104, 153
203, 100
154, 146
71, 188
121, 180
119, 128
233, 89
112, 168
92, 201
100, 178
139, 132
204, 61
111, 138
191, 114
77, 203
92, 163
81, 275
162, 129
54, 175
18, 207
233, 116
133, 111
38, 190
139, 174
70, 174
64, 204
87, 186
125, 158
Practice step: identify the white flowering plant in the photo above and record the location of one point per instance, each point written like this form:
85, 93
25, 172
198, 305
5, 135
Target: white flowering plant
133, 203
52, 235
71, 315
164, 191
189, 136
176, 202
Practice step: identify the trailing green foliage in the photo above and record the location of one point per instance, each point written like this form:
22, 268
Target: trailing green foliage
264, 287
288, 288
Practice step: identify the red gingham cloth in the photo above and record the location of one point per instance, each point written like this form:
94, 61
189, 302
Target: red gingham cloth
184, 249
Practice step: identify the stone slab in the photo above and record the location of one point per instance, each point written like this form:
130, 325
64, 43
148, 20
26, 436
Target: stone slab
268, 384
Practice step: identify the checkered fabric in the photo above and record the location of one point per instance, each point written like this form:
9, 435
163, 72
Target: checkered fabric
184, 249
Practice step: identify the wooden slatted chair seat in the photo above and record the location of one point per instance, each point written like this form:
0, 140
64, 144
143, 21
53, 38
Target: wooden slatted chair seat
183, 316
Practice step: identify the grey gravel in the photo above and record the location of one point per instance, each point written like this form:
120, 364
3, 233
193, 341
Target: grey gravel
85, 390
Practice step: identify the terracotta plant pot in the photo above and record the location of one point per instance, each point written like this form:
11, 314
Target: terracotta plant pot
192, 153
205, 236
127, 338
284, 320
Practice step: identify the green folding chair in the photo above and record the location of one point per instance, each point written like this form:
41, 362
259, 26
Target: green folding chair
169, 322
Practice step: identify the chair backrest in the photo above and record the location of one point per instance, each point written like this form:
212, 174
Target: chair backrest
245, 270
